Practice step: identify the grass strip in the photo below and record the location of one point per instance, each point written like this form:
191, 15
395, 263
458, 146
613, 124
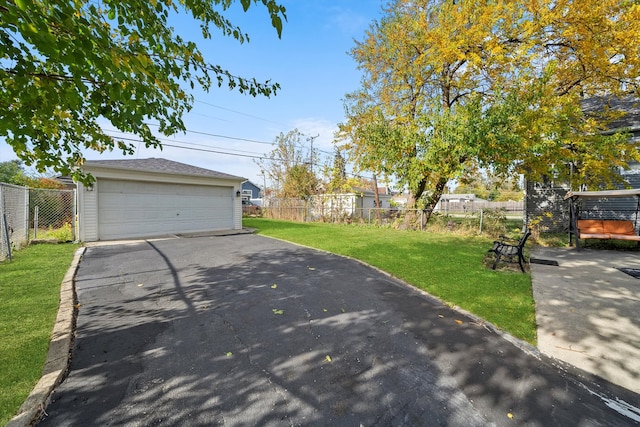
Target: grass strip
29, 298
445, 265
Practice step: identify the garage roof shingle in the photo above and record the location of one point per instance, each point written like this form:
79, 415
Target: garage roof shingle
160, 165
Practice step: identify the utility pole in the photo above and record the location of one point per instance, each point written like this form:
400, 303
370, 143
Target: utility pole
310, 139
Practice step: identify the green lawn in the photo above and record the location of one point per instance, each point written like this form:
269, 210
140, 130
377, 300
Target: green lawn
29, 297
445, 265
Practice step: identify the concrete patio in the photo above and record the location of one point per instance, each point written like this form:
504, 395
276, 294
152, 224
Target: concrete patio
587, 311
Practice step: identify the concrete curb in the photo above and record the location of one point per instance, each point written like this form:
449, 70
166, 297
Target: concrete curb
57, 361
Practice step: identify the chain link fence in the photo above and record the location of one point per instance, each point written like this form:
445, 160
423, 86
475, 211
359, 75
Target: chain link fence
28, 214
493, 217
14, 218
52, 214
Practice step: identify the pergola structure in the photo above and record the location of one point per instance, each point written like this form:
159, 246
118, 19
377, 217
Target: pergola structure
575, 198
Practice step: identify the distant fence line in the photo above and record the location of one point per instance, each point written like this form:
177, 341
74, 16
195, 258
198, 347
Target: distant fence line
512, 207
319, 210
34, 213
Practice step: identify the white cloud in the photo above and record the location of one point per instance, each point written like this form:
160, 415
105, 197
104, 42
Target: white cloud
323, 129
348, 21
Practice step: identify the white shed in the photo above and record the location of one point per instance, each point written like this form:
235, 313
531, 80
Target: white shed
360, 203
137, 198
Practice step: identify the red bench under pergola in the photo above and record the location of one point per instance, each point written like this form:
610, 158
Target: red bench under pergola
617, 229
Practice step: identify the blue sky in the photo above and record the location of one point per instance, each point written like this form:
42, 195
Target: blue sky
311, 64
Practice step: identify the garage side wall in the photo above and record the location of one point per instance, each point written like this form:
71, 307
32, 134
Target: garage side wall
88, 212
237, 210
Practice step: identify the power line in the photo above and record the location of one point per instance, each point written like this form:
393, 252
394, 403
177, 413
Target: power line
209, 117
219, 136
182, 142
237, 112
208, 150
216, 150
238, 138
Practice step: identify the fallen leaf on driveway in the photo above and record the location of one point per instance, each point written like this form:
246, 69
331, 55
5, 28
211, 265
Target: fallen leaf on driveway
274, 286
328, 358
311, 268
459, 322
229, 354
140, 284
277, 311
510, 415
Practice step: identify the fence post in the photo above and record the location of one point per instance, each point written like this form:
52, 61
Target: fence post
3, 221
74, 214
481, 214
35, 222
6, 236
27, 193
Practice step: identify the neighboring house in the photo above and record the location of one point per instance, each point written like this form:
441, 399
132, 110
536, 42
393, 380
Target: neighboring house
400, 200
455, 200
250, 190
67, 182
358, 203
459, 198
544, 202
152, 197
545, 206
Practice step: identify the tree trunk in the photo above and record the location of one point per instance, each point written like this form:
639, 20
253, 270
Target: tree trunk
410, 217
377, 197
432, 202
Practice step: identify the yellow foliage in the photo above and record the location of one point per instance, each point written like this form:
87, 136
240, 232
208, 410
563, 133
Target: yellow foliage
449, 85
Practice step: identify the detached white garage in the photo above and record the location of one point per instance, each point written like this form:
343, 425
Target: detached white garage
138, 198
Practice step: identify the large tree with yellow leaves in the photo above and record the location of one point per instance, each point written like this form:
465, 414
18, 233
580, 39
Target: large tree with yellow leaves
66, 66
452, 86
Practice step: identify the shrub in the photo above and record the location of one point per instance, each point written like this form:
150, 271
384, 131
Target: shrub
62, 234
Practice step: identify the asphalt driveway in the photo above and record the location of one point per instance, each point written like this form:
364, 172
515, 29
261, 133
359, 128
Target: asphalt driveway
247, 330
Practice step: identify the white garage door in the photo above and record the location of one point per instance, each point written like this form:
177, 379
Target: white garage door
128, 209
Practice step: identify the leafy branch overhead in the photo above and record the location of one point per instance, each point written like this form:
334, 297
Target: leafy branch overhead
450, 87
67, 66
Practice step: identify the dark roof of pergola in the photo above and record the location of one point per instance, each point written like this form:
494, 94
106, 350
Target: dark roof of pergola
635, 192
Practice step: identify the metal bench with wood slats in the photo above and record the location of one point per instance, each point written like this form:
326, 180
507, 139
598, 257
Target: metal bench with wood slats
512, 252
